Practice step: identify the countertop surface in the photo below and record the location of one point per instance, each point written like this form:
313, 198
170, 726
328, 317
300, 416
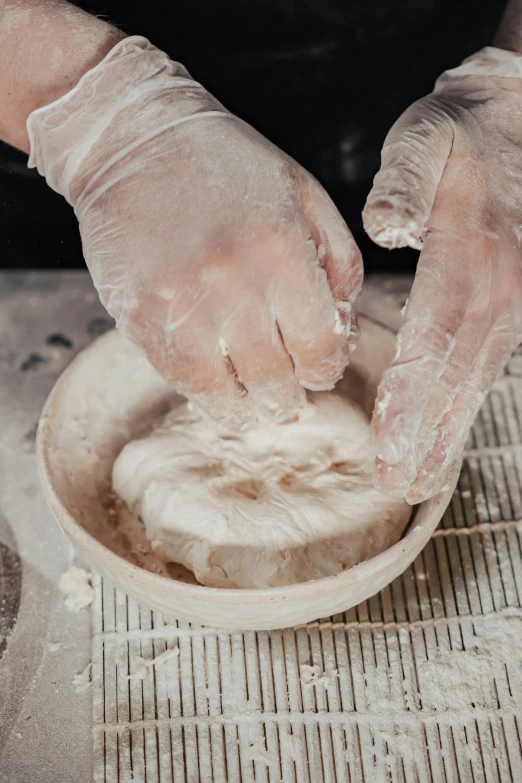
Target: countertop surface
429, 676
45, 726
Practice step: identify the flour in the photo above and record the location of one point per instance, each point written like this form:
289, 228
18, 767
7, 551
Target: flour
140, 665
382, 406
83, 681
258, 752
470, 678
343, 321
272, 505
223, 347
76, 584
313, 675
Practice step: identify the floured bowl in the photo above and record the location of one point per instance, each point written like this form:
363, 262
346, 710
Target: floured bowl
109, 395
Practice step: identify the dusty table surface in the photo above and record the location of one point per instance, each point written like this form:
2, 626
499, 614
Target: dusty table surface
45, 727
429, 685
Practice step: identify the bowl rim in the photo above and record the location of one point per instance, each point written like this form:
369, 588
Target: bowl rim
226, 595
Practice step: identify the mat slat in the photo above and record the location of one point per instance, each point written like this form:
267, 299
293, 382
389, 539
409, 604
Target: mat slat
429, 671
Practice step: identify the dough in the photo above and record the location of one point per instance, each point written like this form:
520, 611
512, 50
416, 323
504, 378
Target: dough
76, 585
273, 505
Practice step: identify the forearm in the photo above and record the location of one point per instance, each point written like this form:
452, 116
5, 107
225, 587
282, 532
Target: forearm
509, 34
45, 48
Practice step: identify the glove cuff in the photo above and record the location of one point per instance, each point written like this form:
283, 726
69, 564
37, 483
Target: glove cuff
489, 61
133, 94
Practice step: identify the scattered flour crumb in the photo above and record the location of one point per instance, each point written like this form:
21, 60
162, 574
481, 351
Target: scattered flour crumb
382, 405
76, 584
312, 675
342, 325
223, 346
83, 681
53, 646
258, 752
141, 665
139, 669
339, 326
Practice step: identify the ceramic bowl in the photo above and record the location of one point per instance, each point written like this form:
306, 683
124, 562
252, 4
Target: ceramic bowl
110, 394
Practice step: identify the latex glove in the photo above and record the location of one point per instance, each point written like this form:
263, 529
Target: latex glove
215, 252
451, 185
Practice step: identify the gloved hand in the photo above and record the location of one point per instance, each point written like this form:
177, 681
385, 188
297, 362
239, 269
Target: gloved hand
451, 185
215, 252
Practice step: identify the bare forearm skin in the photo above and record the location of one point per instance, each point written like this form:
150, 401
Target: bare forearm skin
45, 48
509, 35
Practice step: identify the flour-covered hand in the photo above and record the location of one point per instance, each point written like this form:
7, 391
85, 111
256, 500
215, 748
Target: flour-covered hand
214, 251
451, 185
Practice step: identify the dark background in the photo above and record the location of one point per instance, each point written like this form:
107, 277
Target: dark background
323, 79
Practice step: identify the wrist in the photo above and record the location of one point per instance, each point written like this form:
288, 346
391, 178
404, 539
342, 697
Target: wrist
135, 93
509, 33
39, 67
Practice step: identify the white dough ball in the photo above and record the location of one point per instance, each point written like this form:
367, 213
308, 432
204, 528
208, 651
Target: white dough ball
273, 505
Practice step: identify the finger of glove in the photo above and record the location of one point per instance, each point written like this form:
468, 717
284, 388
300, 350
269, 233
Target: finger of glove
200, 371
450, 439
424, 345
446, 478
337, 250
190, 358
241, 310
454, 427
443, 288
397, 478
469, 343
305, 311
253, 343
414, 155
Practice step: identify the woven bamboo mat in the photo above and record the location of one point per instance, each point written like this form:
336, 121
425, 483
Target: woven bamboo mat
429, 671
